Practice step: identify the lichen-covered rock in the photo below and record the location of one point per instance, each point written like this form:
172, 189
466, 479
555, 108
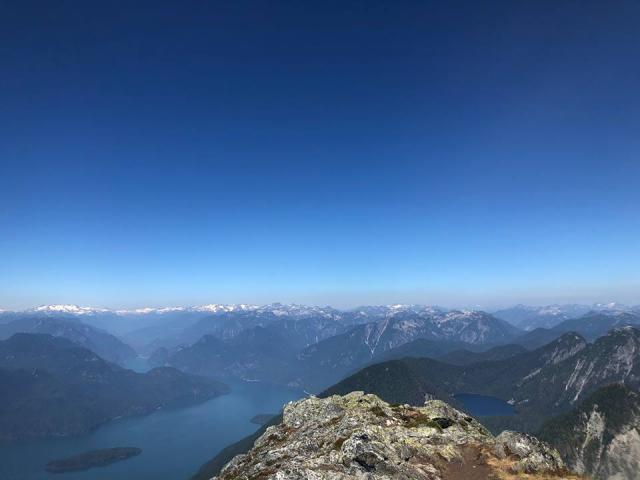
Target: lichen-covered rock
532, 455
359, 436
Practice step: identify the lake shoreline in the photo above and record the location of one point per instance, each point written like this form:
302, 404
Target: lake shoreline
175, 441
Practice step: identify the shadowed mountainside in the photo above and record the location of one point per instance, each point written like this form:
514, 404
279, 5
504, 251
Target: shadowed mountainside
53, 387
601, 436
98, 341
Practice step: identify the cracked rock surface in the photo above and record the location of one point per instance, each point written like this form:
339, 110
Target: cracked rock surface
359, 436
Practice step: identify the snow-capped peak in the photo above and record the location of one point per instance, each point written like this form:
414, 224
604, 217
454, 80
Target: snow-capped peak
382, 311
149, 310
293, 309
610, 306
460, 314
216, 308
209, 308
68, 309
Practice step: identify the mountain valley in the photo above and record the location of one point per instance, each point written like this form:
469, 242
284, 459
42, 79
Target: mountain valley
62, 376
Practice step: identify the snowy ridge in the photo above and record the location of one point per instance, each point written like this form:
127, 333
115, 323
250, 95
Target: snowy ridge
529, 317
68, 309
374, 312
210, 308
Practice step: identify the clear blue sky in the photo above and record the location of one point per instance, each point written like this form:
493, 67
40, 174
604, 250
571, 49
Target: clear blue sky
457, 153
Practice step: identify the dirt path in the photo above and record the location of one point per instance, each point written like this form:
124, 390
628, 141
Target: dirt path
473, 466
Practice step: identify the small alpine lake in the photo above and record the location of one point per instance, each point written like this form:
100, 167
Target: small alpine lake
484, 405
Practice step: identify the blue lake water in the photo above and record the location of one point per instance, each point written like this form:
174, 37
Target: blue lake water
174, 442
483, 405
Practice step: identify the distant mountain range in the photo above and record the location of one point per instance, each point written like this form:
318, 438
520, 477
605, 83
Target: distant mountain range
591, 326
529, 317
307, 346
315, 351
99, 341
257, 354
543, 382
241, 345
122, 322
341, 354
53, 387
135, 322
299, 325
93, 311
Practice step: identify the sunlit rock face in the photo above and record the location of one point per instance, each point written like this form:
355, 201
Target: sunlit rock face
359, 436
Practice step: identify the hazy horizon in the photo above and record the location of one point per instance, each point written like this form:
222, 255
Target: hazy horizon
341, 304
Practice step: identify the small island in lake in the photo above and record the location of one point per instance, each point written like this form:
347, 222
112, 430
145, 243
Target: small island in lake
262, 418
94, 458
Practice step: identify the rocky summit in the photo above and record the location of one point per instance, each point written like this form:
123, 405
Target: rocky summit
360, 436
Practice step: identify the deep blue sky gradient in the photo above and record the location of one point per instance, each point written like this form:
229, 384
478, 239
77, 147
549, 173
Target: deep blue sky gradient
458, 153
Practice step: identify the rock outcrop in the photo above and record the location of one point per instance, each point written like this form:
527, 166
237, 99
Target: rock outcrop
360, 436
600, 437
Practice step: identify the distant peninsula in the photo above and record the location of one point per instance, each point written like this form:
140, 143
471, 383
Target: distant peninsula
94, 458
